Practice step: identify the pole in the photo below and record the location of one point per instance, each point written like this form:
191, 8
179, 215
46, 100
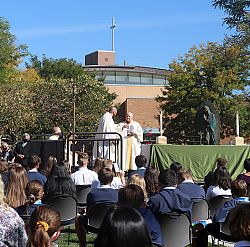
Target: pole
161, 132
74, 109
237, 124
113, 33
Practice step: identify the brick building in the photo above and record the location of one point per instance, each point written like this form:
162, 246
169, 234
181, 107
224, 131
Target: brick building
136, 86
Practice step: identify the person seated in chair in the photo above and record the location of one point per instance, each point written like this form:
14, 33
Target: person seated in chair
239, 193
170, 198
141, 162
132, 195
239, 224
187, 185
103, 194
33, 164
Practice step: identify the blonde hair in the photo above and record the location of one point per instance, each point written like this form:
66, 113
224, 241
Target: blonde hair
139, 180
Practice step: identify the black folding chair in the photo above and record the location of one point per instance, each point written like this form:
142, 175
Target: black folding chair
66, 205
217, 202
200, 209
176, 229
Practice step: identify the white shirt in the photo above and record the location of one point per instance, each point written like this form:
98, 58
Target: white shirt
213, 191
84, 176
116, 184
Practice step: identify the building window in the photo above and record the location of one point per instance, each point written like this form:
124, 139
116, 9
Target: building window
134, 78
146, 79
106, 59
109, 77
159, 80
121, 78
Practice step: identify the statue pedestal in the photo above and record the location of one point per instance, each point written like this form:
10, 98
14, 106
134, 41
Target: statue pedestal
239, 140
161, 140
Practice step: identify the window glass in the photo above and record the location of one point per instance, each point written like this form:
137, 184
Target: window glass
146, 79
121, 78
159, 80
134, 78
109, 77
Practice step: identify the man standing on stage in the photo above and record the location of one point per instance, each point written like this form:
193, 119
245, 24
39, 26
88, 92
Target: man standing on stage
106, 149
23, 151
132, 135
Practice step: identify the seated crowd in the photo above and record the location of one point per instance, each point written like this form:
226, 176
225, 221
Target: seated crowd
139, 201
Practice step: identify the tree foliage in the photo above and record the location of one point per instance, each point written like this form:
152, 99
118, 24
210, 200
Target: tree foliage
238, 16
218, 73
36, 104
10, 53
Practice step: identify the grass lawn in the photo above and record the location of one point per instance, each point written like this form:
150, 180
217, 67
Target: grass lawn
73, 240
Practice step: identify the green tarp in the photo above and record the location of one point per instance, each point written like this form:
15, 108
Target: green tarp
200, 158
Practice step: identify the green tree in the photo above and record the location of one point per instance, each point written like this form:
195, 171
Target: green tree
238, 16
53, 97
16, 109
53, 103
10, 53
218, 73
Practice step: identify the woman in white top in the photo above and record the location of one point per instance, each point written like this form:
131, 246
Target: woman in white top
222, 184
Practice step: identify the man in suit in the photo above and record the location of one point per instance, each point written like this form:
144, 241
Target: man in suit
169, 198
187, 185
23, 150
103, 194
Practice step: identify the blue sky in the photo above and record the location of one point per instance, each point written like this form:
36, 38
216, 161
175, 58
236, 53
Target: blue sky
148, 33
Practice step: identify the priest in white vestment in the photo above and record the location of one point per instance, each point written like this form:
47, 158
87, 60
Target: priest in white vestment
132, 135
106, 149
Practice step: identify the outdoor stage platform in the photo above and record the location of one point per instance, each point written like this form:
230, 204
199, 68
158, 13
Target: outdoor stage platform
199, 158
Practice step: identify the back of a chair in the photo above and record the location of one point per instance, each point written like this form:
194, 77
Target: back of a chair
176, 229
66, 206
81, 194
96, 214
200, 210
248, 190
217, 202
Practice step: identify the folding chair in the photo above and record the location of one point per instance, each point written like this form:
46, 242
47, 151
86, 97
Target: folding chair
176, 229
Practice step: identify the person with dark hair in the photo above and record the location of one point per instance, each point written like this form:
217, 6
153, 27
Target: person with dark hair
209, 179
123, 227
103, 194
239, 194
44, 227
245, 176
141, 162
176, 167
51, 161
222, 184
59, 182
34, 192
239, 224
187, 185
22, 150
132, 195
83, 176
11, 224
169, 198
33, 164
151, 180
